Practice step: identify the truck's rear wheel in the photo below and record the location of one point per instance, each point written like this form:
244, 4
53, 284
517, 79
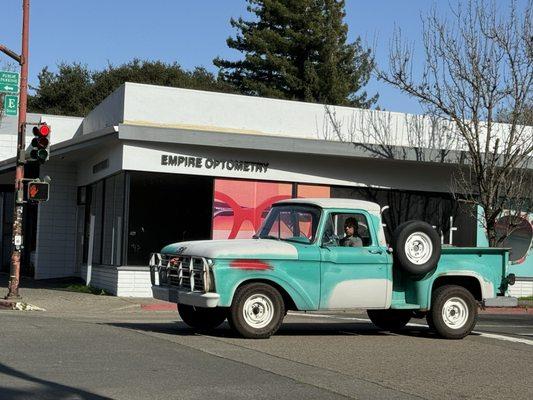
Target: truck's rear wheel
389, 320
453, 312
200, 317
257, 311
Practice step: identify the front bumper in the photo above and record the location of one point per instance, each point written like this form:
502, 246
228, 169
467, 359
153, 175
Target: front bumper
175, 295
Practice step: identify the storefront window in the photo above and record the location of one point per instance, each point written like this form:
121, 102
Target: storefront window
113, 220
97, 209
166, 208
438, 209
313, 191
240, 206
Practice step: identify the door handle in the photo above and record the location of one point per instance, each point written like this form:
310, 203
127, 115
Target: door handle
375, 251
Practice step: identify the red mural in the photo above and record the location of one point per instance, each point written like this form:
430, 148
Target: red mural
239, 207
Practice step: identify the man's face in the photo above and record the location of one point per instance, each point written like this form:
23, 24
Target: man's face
349, 230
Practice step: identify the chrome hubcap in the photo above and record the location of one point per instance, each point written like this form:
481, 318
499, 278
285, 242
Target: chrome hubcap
418, 248
258, 311
455, 313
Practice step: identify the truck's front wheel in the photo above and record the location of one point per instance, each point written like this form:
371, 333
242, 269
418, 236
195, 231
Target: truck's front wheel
453, 312
200, 317
257, 311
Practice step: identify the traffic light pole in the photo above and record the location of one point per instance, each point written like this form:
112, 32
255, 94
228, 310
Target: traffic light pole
14, 276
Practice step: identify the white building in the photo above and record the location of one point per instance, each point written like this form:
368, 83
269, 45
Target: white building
153, 165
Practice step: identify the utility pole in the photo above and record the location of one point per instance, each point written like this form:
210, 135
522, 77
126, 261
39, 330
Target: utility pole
14, 275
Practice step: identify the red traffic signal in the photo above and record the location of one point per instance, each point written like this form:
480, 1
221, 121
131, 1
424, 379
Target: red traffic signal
41, 130
40, 143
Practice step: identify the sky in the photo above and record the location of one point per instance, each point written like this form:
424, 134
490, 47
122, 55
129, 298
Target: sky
191, 33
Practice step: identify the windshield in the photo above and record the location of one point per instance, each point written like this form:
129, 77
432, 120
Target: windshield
291, 222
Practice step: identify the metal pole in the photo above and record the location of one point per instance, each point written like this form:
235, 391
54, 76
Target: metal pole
14, 275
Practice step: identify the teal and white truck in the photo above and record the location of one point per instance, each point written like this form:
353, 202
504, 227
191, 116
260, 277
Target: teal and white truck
296, 261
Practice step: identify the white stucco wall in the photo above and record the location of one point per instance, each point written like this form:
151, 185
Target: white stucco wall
211, 111
172, 107
63, 128
56, 224
109, 112
85, 172
295, 167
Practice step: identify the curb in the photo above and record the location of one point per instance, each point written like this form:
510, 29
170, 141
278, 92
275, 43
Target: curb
7, 305
19, 306
507, 310
159, 307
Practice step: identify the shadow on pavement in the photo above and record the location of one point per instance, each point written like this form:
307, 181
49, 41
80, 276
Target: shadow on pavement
49, 390
287, 329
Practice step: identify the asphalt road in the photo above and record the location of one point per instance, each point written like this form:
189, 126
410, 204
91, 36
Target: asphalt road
152, 355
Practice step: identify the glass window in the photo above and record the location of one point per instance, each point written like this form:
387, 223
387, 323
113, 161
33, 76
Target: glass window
350, 230
164, 209
112, 227
291, 222
437, 209
313, 191
97, 210
240, 206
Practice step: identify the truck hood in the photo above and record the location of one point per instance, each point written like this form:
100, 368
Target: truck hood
236, 248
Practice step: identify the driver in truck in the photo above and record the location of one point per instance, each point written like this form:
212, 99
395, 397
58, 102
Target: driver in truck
350, 229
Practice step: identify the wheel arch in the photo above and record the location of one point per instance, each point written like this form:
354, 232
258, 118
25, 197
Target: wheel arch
470, 282
287, 298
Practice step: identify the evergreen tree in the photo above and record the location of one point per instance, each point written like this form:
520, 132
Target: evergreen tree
296, 49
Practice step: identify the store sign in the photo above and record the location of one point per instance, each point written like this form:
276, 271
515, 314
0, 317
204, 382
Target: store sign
212, 163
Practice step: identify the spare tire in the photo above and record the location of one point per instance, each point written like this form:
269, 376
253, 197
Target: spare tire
416, 247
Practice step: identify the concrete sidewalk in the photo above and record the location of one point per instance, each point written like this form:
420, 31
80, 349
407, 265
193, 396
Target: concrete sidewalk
52, 296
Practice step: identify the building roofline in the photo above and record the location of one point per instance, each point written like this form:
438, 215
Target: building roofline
66, 146
231, 139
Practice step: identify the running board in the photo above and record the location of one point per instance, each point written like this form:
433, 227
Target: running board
405, 306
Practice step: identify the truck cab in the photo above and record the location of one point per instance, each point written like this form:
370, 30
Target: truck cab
330, 254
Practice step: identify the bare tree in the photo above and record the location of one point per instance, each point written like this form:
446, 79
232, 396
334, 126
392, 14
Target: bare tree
478, 65
383, 134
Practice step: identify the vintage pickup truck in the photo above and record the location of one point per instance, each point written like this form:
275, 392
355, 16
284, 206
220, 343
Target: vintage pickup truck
297, 261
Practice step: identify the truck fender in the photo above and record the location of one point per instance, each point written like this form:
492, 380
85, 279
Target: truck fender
487, 288
297, 294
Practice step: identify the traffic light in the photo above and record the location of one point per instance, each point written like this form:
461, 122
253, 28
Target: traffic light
38, 191
40, 143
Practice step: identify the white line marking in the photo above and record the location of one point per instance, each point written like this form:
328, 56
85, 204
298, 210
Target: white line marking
505, 338
482, 334
507, 326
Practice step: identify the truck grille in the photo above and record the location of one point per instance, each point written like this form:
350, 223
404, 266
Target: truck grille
185, 272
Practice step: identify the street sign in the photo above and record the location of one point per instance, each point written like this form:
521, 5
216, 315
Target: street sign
11, 104
9, 82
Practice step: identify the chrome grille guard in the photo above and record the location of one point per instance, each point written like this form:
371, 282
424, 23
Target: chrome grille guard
189, 273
